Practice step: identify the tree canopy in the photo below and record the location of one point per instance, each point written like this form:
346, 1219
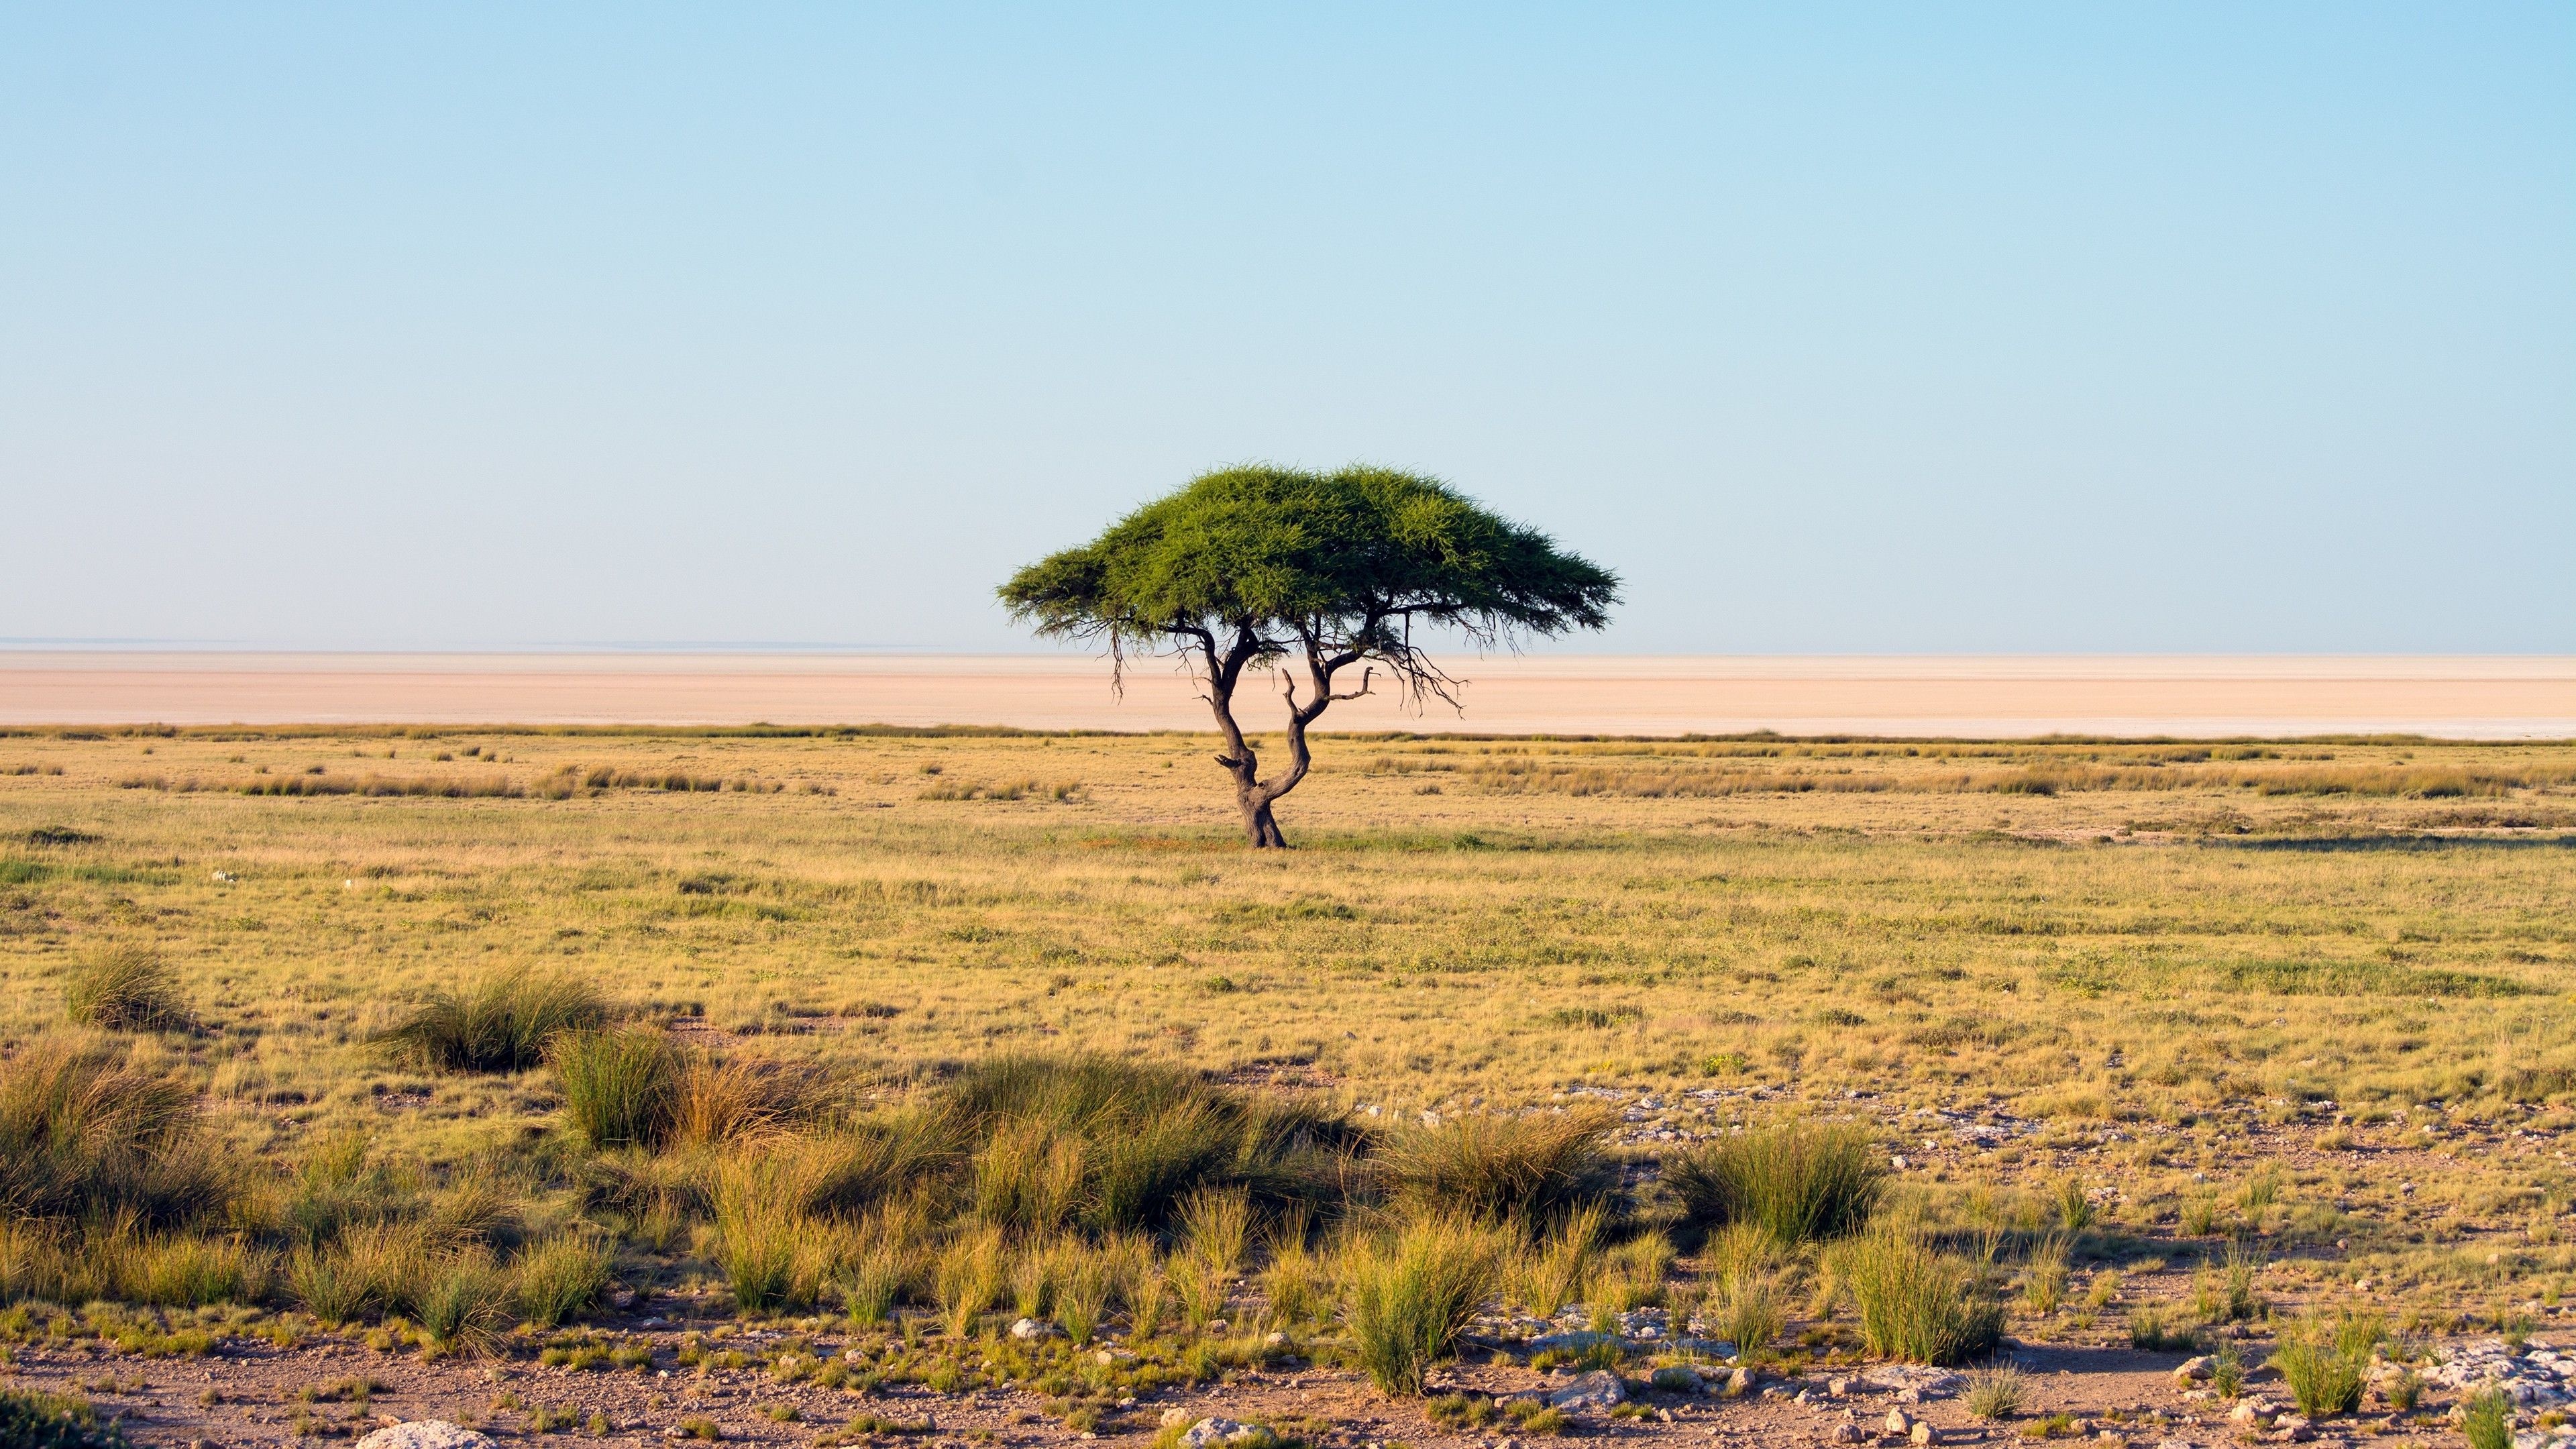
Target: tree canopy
1245, 567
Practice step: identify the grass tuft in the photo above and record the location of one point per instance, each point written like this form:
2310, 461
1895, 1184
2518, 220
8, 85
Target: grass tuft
1801, 1182
1917, 1303
124, 988
84, 1136
562, 1278
618, 1085
2327, 1365
1409, 1299
502, 1023
1532, 1170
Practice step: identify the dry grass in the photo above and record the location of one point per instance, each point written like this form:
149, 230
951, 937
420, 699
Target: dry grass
2182, 945
123, 988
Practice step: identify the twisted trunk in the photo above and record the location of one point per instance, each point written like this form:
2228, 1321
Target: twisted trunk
1254, 795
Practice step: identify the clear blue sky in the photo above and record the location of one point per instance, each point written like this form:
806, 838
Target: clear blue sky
1832, 327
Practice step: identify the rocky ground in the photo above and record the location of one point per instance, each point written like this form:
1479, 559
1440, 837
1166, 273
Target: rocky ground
247, 1391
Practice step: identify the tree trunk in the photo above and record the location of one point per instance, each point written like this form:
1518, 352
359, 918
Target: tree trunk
1259, 827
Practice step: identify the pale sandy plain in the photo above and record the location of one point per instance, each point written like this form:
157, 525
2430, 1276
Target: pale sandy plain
2469, 697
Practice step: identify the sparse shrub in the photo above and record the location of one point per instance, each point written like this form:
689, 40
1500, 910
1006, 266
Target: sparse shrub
2486, 1420
2261, 1190
1410, 1299
463, 1306
2200, 1216
124, 988
2327, 1366
562, 1278
1800, 1181
502, 1023
1994, 1392
2225, 1293
1545, 1420
2403, 1391
1918, 1303
2227, 1370
617, 1085
1533, 1170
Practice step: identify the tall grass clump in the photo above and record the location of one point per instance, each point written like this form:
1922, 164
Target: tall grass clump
463, 1307
1110, 1145
717, 1100
773, 1253
2327, 1365
968, 1279
2486, 1419
124, 988
1532, 1170
502, 1023
85, 1136
618, 1085
189, 1271
1916, 1302
562, 1278
1744, 1306
1556, 1268
1082, 1295
1799, 1181
1409, 1299
373, 1269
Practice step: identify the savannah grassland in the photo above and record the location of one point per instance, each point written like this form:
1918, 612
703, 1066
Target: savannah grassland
2183, 1035
2316, 990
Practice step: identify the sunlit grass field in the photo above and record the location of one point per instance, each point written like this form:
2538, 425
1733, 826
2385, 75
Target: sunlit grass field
2142, 952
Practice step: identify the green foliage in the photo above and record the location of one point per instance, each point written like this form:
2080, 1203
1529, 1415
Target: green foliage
1918, 1303
1356, 552
1800, 1181
562, 1278
84, 1136
619, 1086
2486, 1420
53, 1421
1532, 1170
2149, 1331
123, 988
502, 1023
1410, 1299
2326, 1365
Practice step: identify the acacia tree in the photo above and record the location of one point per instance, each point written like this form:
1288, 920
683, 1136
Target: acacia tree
1247, 568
